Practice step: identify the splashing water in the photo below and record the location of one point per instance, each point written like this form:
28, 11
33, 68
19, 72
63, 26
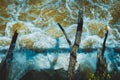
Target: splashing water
36, 23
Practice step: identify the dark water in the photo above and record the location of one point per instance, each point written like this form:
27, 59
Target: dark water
25, 60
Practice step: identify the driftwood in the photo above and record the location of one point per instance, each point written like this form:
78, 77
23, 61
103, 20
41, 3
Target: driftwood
74, 48
6, 62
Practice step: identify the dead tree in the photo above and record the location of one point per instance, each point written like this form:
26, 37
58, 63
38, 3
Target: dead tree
74, 48
6, 62
101, 66
69, 42
104, 46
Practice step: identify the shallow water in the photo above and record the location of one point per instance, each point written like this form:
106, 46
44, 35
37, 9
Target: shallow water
42, 45
25, 60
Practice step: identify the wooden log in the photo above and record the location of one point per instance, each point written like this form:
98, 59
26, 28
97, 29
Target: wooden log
5, 64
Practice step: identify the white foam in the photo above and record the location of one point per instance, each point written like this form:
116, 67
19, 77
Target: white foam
86, 61
42, 62
39, 40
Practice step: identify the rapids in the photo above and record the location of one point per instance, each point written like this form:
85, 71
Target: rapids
36, 22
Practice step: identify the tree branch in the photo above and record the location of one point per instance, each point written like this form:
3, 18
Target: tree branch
104, 46
69, 42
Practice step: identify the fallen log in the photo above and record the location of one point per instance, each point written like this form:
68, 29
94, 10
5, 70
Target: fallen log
6, 62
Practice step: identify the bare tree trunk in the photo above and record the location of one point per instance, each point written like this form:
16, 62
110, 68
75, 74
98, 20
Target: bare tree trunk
6, 62
101, 61
74, 48
101, 66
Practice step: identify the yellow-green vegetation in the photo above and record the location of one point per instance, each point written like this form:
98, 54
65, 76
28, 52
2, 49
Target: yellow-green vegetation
101, 71
98, 75
104, 76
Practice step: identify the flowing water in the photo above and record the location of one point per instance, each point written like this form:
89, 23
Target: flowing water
36, 22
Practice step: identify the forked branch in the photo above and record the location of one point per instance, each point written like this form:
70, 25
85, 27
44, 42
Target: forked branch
74, 49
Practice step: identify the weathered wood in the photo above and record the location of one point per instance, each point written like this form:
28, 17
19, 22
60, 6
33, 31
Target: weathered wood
5, 64
101, 66
69, 42
75, 47
104, 46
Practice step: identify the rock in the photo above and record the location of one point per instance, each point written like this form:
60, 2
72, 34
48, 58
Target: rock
45, 75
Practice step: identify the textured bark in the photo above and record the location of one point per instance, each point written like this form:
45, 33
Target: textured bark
101, 65
74, 49
6, 62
